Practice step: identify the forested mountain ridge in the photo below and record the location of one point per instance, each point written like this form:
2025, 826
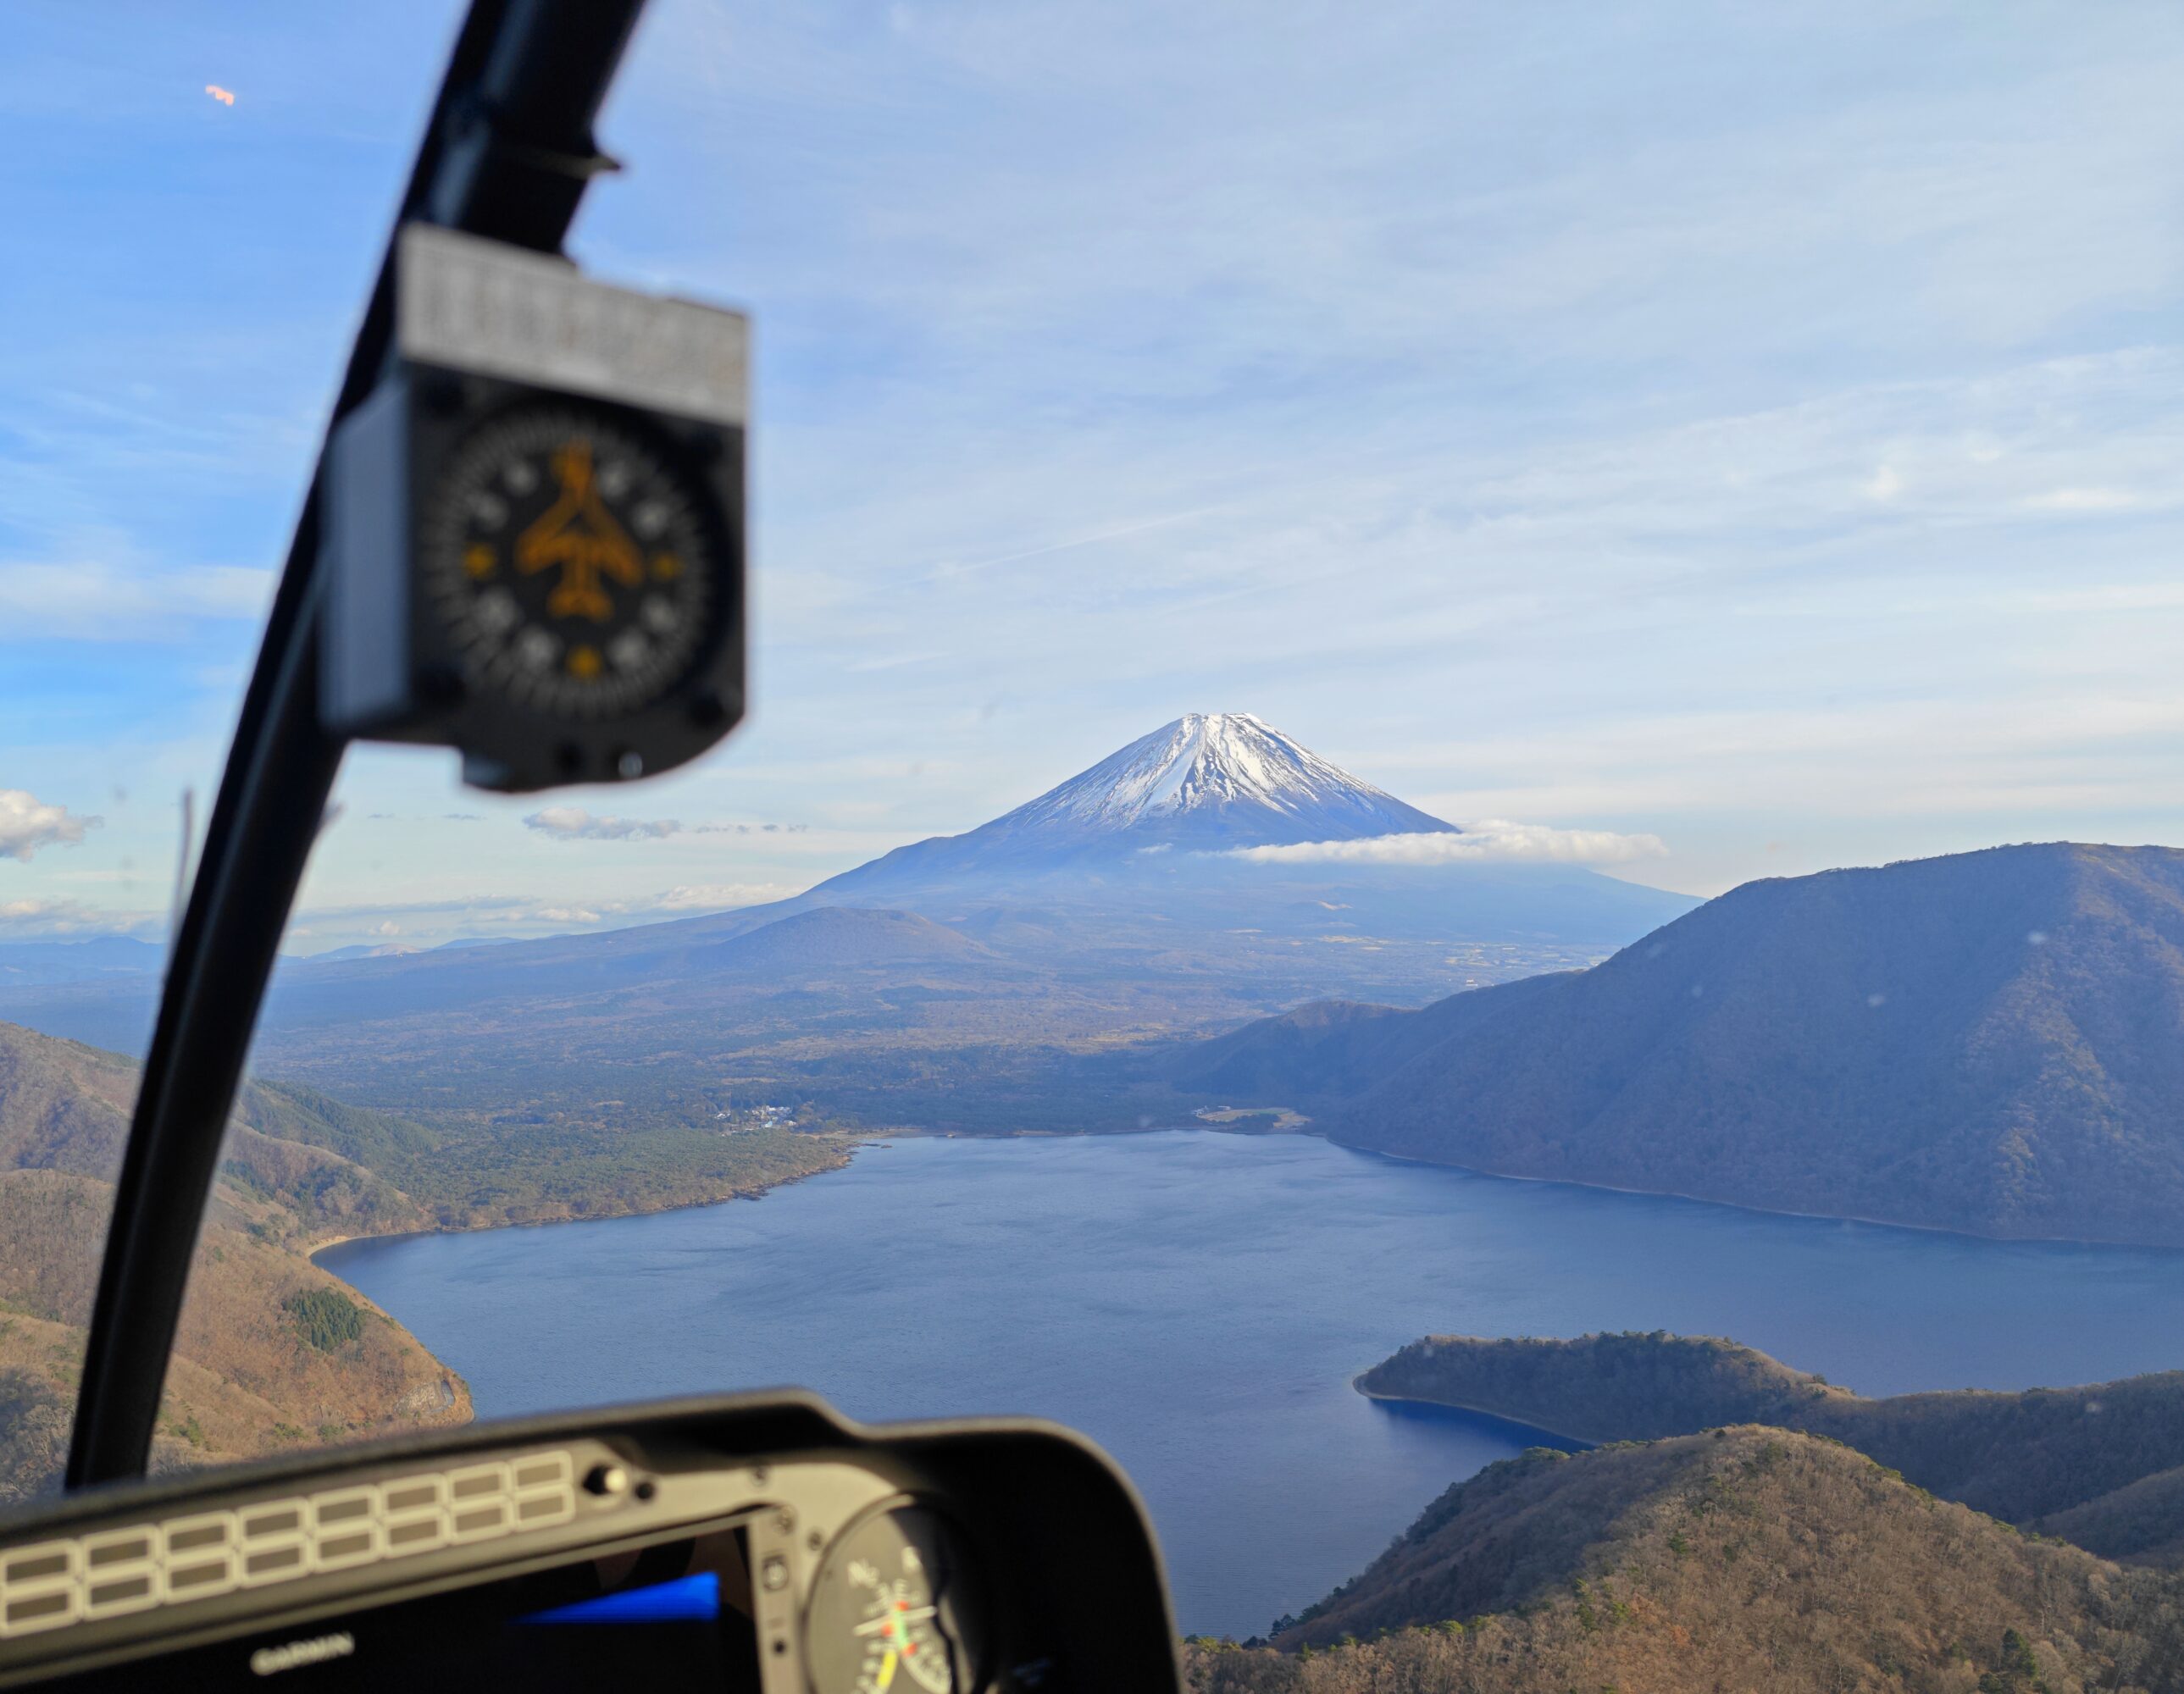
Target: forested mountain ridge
2102, 1465
1991, 1042
1744, 1559
271, 1350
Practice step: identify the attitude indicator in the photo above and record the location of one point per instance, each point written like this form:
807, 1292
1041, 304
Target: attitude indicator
534, 534
569, 560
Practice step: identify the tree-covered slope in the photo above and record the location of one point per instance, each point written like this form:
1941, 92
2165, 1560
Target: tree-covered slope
250, 1373
272, 1351
1748, 1559
1603, 1388
1991, 1042
2100, 1465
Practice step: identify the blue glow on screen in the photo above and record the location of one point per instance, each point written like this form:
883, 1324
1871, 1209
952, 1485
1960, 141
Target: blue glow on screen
688, 1599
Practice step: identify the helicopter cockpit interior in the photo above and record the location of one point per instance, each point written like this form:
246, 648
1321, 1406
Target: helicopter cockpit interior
758, 1544
677, 1013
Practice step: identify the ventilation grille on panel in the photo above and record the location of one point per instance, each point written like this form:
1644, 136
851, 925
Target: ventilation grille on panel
113, 1572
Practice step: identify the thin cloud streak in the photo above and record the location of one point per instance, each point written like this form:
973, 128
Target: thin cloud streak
431, 923
574, 823
67, 919
1492, 840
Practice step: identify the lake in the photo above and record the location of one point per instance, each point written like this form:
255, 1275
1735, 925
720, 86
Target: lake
1198, 1303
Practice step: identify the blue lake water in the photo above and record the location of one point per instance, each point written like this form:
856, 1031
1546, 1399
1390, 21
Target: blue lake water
1198, 1302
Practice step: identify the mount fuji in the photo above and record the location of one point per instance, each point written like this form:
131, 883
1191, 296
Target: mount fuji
1210, 782
1135, 863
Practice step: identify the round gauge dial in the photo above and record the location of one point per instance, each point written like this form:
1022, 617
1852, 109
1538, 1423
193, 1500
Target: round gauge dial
568, 557
891, 1612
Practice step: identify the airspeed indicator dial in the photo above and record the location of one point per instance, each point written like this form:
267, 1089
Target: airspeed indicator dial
566, 555
892, 1612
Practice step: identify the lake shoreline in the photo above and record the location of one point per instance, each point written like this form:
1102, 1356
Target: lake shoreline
861, 1138
1760, 1211
328, 1243
857, 1139
1357, 1382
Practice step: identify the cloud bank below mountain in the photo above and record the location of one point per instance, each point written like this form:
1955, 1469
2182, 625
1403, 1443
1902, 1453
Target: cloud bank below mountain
1492, 840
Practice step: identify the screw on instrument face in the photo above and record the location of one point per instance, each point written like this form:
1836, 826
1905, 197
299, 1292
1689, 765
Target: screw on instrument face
759, 1475
784, 1520
773, 1575
815, 1541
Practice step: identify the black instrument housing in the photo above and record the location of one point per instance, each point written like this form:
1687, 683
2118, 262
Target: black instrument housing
387, 671
1072, 1589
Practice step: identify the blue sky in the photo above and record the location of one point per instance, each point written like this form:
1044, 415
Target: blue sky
1754, 428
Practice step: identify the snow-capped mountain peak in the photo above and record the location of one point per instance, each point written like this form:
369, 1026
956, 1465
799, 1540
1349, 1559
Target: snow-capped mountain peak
1232, 770
1206, 782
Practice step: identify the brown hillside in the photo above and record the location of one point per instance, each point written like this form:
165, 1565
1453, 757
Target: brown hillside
248, 1376
1751, 1561
271, 1350
62, 1106
2102, 1465
245, 1378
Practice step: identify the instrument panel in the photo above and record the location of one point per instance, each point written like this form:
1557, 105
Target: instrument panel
754, 1545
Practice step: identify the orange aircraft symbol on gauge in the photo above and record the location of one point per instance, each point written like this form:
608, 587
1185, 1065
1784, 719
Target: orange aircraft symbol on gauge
580, 535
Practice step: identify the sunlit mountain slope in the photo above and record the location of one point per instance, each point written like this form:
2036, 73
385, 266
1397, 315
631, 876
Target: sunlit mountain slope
1743, 1559
1990, 1041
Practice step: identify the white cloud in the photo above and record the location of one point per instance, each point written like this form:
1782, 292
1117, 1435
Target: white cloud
565, 914
28, 823
574, 823
1493, 840
719, 896
428, 923
673, 902
44, 918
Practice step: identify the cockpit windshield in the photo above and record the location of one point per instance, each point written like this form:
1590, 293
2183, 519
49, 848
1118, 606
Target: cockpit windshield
1458, 811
